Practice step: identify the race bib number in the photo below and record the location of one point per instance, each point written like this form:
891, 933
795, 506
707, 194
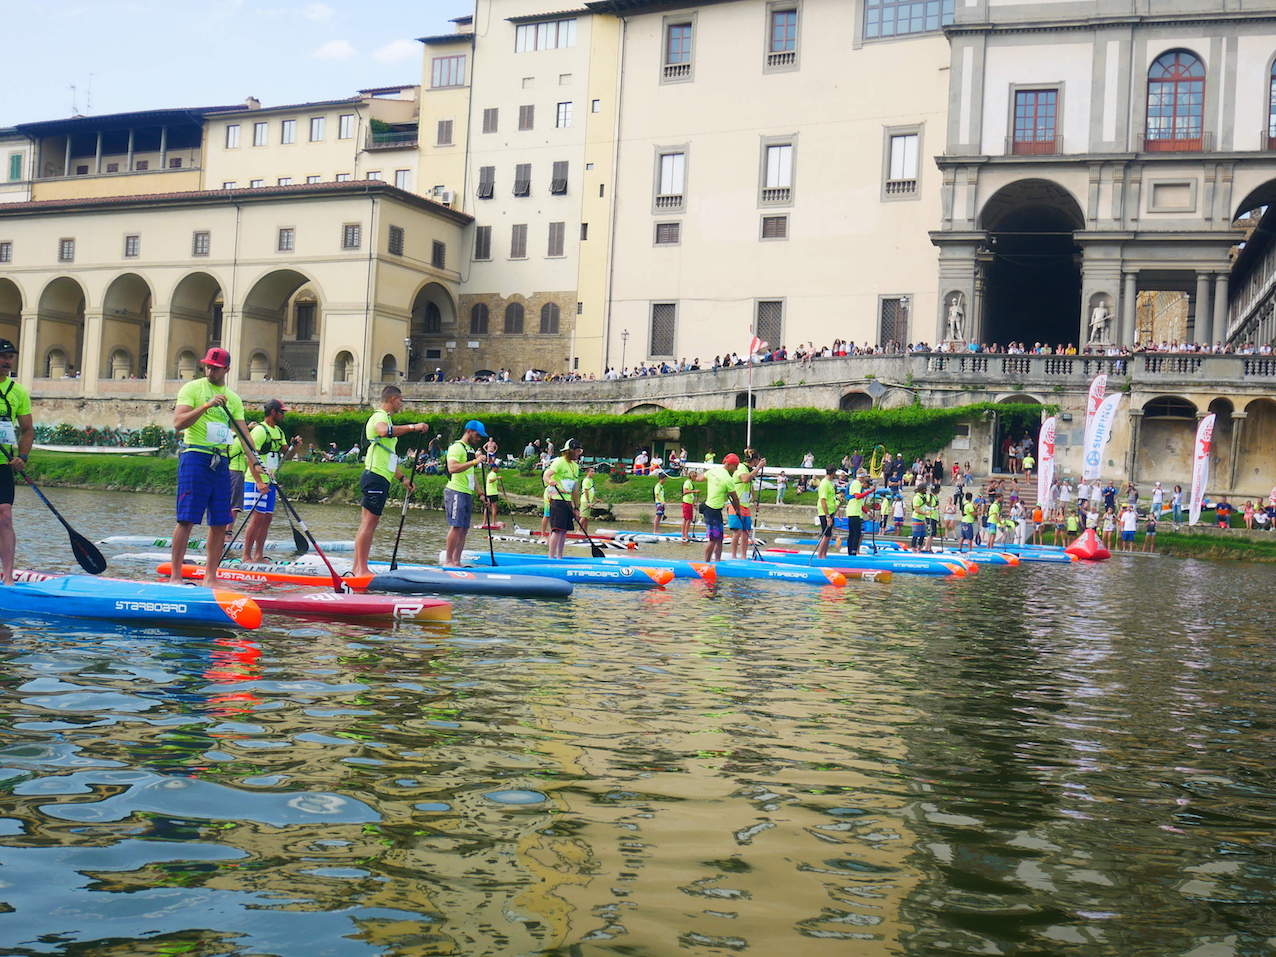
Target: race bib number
569, 485
8, 435
392, 462
272, 460
217, 433
469, 476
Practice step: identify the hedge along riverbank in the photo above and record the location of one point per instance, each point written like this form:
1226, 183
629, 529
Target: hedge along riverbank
782, 435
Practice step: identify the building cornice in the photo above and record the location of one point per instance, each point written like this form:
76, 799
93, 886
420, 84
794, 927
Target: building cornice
1072, 160
442, 39
554, 15
622, 8
1097, 23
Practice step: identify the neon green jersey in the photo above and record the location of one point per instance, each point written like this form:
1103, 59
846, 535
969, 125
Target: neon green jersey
742, 485
382, 457
464, 482
566, 474
493, 486
719, 481
688, 492
854, 506
270, 442
968, 512
15, 401
660, 493
587, 492
826, 496
212, 431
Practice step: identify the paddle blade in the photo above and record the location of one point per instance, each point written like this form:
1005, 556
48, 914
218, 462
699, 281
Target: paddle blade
596, 551
87, 554
299, 541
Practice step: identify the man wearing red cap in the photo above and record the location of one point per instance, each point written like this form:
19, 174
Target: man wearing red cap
720, 489
210, 416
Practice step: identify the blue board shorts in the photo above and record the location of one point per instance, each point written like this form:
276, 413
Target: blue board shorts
1127, 536
203, 487
255, 501
712, 522
457, 508
967, 531
740, 523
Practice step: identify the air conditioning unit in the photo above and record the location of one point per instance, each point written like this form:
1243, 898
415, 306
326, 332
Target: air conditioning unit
445, 197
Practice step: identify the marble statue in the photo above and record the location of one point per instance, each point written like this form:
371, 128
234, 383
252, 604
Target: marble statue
956, 320
1100, 319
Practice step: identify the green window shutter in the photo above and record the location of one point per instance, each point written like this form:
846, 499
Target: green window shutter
15, 166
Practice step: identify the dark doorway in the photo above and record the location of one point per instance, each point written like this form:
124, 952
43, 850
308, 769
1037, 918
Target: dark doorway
1032, 265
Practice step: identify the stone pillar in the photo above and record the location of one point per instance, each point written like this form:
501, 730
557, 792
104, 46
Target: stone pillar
128, 167
1201, 309
1238, 435
27, 343
97, 162
1132, 453
66, 160
1129, 297
1220, 307
232, 341
91, 352
158, 351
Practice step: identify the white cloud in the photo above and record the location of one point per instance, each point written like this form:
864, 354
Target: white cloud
334, 50
318, 12
396, 51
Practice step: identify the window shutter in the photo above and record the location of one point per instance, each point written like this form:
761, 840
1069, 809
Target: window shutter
558, 180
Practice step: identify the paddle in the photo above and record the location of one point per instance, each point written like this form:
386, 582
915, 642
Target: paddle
85, 552
491, 547
594, 550
339, 586
226, 551
826, 532
403, 513
298, 540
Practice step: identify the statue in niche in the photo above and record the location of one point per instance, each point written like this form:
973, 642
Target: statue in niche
956, 326
1100, 320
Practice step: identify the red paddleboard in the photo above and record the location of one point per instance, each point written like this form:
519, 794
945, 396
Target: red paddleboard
497, 526
329, 605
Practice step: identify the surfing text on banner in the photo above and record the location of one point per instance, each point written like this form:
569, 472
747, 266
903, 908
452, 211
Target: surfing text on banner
1200, 467
1097, 433
1045, 460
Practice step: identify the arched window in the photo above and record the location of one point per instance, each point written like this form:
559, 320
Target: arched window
549, 319
478, 319
514, 318
433, 323
1271, 108
1176, 103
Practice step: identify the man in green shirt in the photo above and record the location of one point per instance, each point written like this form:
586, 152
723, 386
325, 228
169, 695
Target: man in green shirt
918, 521
859, 489
380, 466
994, 519
826, 510
588, 495
967, 523
458, 495
659, 493
274, 448
688, 505
562, 483
720, 489
17, 433
210, 416
494, 489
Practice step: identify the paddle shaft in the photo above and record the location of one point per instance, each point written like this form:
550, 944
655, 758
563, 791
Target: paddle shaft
491, 548
757, 512
403, 514
85, 552
233, 538
594, 550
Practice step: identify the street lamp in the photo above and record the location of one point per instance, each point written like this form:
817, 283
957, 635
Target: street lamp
624, 342
407, 362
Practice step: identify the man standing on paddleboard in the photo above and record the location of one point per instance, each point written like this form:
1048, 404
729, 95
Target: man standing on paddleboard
720, 488
380, 466
274, 448
562, 483
208, 414
17, 433
462, 482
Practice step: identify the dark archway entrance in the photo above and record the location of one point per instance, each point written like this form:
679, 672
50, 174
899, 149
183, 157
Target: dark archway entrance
1031, 264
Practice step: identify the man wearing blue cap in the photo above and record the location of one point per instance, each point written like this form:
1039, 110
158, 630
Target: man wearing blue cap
462, 482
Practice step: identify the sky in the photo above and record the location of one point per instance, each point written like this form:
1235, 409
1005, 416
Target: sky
152, 54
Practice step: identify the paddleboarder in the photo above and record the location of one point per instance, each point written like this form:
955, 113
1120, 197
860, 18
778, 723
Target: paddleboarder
689, 504
720, 489
494, 489
275, 449
588, 495
463, 456
659, 493
380, 467
562, 482
206, 413
859, 489
740, 519
17, 433
826, 507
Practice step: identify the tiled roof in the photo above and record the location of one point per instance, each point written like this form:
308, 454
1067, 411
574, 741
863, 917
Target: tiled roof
554, 15
119, 121
293, 107
447, 38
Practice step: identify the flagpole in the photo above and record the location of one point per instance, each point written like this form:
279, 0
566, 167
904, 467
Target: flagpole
748, 418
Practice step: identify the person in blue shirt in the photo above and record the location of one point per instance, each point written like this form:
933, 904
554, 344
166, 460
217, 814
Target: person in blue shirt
1109, 496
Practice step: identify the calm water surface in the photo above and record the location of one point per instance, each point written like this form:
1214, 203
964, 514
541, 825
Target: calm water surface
1035, 760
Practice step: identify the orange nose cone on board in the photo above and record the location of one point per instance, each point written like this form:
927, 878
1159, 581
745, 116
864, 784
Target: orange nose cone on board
835, 577
705, 570
240, 609
661, 576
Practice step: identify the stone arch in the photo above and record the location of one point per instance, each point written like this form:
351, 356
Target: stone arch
119, 364
433, 318
10, 311
300, 339
126, 325
855, 402
389, 368
742, 400
343, 367
258, 366
645, 408
1256, 450
1264, 194
265, 311
195, 313
1167, 433
1030, 225
1013, 428
60, 328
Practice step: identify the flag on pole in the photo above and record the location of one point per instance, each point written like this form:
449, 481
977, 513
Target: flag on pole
1045, 460
756, 345
1097, 433
1200, 467
1098, 385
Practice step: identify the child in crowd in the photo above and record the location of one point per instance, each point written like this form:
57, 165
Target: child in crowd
781, 484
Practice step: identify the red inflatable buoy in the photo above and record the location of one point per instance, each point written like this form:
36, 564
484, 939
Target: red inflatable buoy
1088, 547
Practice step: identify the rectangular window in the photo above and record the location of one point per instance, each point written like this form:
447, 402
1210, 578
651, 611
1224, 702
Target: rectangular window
316, 129
901, 170
306, 321
558, 180
395, 242
769, 324
523, 179
491, 119
142, 165
259, 134
82, 170
668, 234
342, 178
351, 236
287, 238
892, 320
112, 167
486, 182
175, 162
777, 173
564, 79
775, 227
15, 167
256, 183
438, 254
6, 251
893, 18
444, 137
482, 242
132, 246
664, 328
284, 181
373, 174
447, 71
200, 243
232, 136
563, 115
545, 35
584, 231
518, 241
288, 131
403, 179
345, 126
229, 184
1036, 112
526, 117
595, 106
782, 37
557, 233
314, 179
671, 180
678, 39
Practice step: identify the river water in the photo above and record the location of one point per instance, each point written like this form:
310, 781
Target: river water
1035, 760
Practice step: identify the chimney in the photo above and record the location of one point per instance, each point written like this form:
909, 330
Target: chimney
252, 103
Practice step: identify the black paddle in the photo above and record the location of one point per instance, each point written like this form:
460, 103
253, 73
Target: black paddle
757, 514
338, 585
403, 514
491, 547
85, 552
226, 551
594, 550
825, 532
